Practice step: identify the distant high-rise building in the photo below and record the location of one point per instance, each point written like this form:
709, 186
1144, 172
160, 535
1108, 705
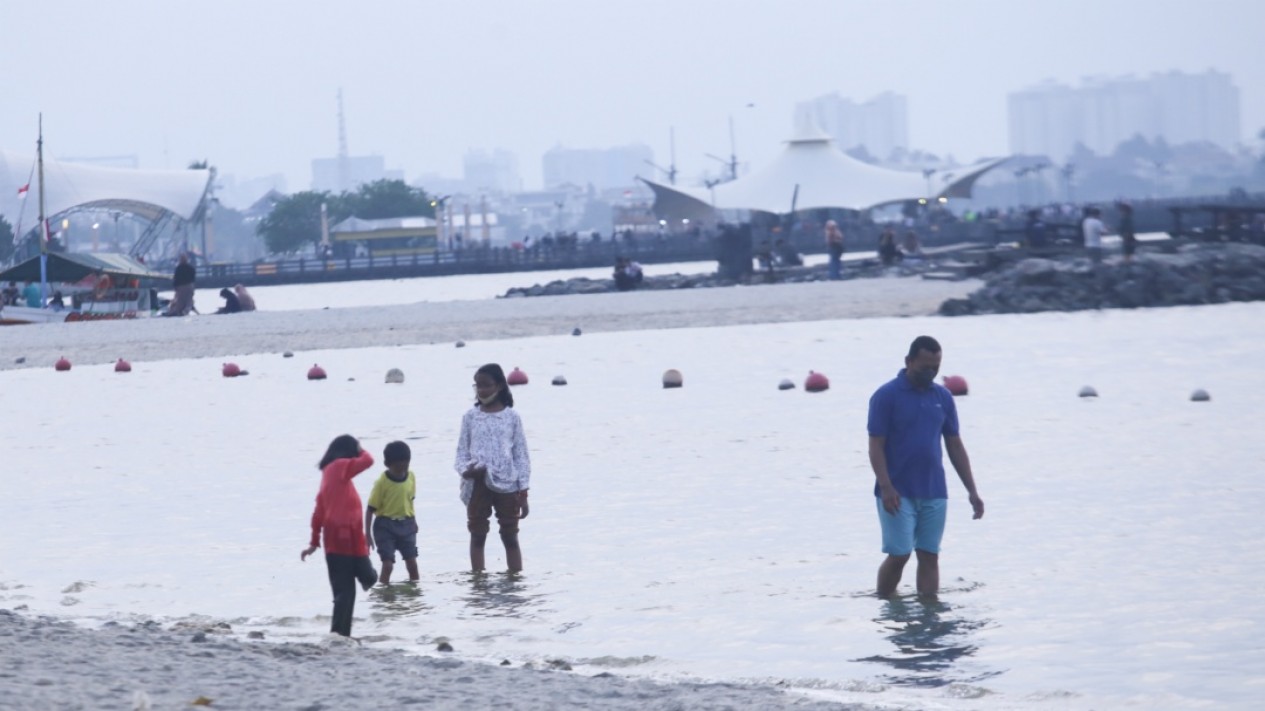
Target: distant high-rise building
492, 172
880, 124
600, 167
1051, 118
327, 173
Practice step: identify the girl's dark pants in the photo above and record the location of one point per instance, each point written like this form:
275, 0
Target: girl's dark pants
344, 572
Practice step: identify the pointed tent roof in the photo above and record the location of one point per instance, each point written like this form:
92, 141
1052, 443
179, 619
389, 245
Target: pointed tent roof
811, 173
73, 266
146, 193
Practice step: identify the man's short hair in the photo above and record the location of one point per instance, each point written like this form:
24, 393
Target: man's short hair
396, 452
923, 343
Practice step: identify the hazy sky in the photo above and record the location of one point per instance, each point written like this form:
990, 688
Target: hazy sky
251, 86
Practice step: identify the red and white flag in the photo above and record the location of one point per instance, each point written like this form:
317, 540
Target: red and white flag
22, 191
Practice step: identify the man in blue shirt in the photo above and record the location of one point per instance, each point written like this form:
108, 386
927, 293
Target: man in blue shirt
908, 417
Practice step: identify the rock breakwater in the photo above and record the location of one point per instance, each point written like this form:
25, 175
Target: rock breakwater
1195, 274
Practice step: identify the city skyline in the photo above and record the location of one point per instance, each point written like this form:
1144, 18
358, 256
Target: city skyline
260, 98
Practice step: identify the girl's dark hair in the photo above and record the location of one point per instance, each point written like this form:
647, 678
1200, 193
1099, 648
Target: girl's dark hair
343, 447
493, 371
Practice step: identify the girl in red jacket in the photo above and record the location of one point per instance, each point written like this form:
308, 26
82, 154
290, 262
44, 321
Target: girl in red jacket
337, 518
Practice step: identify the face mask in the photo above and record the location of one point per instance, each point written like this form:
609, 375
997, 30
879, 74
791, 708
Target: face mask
923, 378
489, 399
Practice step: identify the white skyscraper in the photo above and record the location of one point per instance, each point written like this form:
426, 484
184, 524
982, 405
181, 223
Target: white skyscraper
496, 171
881, 124
602, 168
1051, 118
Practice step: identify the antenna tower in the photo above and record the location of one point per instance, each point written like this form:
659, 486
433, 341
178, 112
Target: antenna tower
344, 179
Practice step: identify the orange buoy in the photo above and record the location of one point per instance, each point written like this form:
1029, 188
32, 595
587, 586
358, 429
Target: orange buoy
122, 366
816, 382
231, 370
516, 377
316, 372
956, 385
62, 364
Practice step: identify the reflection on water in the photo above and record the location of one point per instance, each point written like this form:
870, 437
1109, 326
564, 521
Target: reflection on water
397, 601
931, 641
500, 595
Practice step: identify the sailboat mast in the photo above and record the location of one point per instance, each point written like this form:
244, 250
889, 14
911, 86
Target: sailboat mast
39, 152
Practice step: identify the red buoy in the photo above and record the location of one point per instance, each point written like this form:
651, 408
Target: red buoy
816, 382
316, 372
231, 370
955, 384
122, 366
516, 377
62, 364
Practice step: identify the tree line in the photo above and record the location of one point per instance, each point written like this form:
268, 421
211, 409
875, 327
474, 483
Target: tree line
295, 221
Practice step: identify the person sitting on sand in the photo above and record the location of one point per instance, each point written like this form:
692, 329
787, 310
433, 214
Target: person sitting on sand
33, 295
231, 304
623, 280
911, 247
9, 297
244, 298
786, 254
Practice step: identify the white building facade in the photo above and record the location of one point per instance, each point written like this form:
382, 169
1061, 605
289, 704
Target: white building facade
602, 168
1051, 118
881, 124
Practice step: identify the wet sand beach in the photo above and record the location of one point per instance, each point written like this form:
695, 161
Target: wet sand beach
323, 328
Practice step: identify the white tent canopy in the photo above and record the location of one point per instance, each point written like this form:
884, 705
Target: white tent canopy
811, 173
146, 193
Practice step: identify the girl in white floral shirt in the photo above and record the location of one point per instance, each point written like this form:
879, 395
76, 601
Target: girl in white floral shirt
494, 467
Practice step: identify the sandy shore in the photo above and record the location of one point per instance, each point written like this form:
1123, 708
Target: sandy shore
51, 665
86, 343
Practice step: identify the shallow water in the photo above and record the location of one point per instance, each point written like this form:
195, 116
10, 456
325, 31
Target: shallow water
724, 530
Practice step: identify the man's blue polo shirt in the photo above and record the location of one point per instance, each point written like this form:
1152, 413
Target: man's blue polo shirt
914, 422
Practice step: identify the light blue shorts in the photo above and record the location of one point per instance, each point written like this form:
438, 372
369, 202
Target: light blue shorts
918, 523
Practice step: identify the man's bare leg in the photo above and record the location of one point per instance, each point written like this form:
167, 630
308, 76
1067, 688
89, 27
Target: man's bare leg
928, 573
411, 564
889, 574
385, 576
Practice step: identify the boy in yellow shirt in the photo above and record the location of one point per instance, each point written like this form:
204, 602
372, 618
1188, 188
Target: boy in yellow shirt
392, 501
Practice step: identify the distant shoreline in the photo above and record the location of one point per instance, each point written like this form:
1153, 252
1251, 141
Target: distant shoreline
208, 336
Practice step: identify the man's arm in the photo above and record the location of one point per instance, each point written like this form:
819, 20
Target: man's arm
962, 464
878, 462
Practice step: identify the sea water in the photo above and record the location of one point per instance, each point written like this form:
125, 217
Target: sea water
724, 530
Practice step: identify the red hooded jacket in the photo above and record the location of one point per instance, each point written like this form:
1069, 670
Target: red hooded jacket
339, 513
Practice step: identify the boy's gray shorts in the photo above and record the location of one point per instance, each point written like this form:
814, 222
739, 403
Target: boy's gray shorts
391, 535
